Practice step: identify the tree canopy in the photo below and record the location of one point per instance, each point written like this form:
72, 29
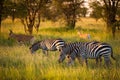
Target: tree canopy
108, 10
30, 12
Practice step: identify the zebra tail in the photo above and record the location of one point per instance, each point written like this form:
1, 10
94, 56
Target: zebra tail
112, 55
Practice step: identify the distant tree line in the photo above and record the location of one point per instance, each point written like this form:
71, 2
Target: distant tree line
31, 12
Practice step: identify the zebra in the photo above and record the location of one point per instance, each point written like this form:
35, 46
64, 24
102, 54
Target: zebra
47, 45
85, 50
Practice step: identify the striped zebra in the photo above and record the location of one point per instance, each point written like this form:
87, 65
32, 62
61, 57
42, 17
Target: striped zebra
85, 50
47, 45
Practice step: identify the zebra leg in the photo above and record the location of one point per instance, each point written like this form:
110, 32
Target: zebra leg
71, 58
84, 61
70, 61
68, 58
45, 52
98, 60
78, 57
107, 61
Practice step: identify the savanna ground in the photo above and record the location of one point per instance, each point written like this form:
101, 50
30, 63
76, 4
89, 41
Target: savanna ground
16, 62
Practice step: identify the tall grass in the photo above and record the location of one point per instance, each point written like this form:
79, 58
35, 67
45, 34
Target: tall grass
16, 62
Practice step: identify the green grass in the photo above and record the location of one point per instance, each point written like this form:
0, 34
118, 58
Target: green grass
16, 62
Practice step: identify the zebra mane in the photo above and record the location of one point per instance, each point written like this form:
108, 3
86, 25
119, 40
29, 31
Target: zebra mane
74, 43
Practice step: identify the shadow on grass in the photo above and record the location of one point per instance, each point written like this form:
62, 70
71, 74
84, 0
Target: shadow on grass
5, 42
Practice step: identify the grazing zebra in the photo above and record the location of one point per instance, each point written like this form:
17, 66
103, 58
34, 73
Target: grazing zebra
21, 38
85, 50
47, 45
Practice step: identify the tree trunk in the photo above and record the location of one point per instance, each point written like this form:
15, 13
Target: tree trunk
25, 26
38, 23
110, 16
30, 29
110, 27
110, 10
0, 22
71, 24
1, 8
71, 20
0, 18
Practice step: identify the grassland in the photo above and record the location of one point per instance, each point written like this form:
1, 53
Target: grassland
16, 62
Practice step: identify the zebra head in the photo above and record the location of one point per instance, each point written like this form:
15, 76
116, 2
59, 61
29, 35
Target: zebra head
63, 53
35, 47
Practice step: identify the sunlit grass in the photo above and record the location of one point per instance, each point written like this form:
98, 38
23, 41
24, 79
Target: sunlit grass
16, 62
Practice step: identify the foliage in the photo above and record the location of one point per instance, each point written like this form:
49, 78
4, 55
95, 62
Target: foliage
118, 13
99, 9
34, 9
97, 12
83, 11
108, 11
29, 11
69, 10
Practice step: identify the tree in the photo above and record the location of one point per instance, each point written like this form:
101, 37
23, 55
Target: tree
111, 7
33, 9
98, 10
108, 12
69, 10
28, 11
6, 9
83, 11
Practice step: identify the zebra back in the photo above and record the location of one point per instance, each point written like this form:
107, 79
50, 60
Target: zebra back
52, 44
48, 44
86, 50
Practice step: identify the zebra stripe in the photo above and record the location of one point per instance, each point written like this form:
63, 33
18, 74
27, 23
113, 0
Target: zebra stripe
87, 50
58, 43
47, 45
